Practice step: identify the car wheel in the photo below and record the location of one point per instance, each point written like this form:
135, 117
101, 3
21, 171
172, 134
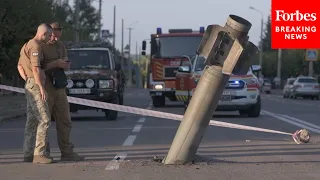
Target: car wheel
254, 111
158, 101
110, 114
121, 99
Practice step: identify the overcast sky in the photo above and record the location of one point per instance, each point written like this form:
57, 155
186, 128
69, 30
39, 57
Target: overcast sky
167, 14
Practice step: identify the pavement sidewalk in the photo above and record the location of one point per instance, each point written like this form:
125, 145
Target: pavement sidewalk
12, 106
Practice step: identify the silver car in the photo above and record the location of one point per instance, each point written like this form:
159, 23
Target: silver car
305, 86
266, 86
288, 87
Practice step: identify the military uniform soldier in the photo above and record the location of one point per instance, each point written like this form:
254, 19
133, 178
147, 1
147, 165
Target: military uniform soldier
55, 61
38, 114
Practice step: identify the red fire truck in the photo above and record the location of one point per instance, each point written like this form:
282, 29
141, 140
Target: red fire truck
167, 50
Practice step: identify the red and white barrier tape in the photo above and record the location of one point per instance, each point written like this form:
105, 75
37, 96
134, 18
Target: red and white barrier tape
151, 113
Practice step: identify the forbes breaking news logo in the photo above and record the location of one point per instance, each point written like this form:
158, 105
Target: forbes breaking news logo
295, 32
294, 26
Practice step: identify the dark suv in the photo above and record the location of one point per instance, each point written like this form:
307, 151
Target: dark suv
94, 75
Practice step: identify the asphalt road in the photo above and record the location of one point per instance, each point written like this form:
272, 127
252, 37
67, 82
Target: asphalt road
124, 149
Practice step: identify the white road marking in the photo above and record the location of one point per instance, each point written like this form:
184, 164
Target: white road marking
137, 128
115, 163
301, 121
141, 120
129, 141
297, 123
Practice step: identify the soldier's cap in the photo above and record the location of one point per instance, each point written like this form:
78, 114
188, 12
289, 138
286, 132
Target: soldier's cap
56, 26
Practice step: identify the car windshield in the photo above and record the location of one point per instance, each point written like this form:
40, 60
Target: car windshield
307, 80
291, 81
83, 59
199, 66
178, 46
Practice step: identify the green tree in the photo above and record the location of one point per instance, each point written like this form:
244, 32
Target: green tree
266, 40
19, 20
89, 20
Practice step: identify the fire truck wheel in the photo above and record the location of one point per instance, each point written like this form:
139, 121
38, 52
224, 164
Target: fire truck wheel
158, 101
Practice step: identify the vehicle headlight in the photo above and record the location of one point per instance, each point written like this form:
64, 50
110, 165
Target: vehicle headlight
158, 86
70, 83
103, 84
89, 83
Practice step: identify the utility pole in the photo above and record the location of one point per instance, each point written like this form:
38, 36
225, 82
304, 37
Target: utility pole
114, 29
227, 51
310, 72
129, 60
138, 61
122, 39
261, 42
279, 67
137, 54
261, 46
129, 57
77, 18
100, 19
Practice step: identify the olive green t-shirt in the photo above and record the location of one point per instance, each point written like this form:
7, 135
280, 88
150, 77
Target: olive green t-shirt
52, 52
31, 55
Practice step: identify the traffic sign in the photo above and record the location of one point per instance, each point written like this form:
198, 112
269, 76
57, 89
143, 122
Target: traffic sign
105, 33
311, 55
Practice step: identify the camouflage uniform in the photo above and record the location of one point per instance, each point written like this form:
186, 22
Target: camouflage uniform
38, 120
38, 115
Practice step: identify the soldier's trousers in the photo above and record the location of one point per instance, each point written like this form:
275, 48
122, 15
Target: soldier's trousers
38, 120
60, 111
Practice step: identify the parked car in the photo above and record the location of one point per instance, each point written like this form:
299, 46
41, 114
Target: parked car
288, 87
266, 86
305, 86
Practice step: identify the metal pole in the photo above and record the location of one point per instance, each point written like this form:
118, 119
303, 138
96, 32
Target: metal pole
138, 61
122, 38
137, 54
210, 87
77, 14
261, 46
129, 60
114, 29
100, 19
147, 73
310, 68
279, 66
261, 42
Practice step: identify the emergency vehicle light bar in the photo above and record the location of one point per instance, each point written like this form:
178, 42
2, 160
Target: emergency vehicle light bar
159, 31
202, 30
180, 30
